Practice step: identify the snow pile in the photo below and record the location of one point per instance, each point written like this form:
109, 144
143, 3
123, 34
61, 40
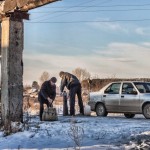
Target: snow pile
140, 141
86, 132
16, 127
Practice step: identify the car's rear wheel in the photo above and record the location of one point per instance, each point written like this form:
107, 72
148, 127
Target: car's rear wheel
101, 110
146, 111
129, 115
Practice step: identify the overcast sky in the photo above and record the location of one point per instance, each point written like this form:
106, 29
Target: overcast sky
107, 37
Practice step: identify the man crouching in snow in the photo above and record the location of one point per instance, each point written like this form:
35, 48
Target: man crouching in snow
47, 94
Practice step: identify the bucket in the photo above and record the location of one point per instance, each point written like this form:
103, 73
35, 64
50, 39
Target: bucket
50, 114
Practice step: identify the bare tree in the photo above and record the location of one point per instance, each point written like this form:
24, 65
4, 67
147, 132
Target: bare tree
81, 74
45, 76
76, 133
96, 76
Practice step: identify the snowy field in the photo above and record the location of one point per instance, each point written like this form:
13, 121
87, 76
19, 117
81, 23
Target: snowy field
91, 133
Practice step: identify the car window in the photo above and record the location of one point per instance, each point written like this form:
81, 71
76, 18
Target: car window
128, 88
143, 87
148, 86
114, 88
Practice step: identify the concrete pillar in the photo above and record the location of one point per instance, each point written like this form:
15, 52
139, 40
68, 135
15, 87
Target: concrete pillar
12, 70
0, 39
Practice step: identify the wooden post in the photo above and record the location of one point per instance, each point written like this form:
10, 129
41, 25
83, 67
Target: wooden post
12, 69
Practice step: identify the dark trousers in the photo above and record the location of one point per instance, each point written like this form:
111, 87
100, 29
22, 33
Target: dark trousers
42, 102
72, 93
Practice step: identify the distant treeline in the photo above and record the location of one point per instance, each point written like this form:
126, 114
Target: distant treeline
97, 84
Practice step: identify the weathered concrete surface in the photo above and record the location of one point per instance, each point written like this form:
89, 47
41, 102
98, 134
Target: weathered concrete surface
0, 42
23, 5
12, 70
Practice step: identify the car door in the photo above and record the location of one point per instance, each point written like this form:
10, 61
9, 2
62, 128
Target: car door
130, 100
111, 97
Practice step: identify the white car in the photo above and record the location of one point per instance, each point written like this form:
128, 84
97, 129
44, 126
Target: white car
128, 97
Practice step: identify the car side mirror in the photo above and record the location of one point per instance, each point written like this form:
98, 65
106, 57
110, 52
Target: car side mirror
108, 91
134, 92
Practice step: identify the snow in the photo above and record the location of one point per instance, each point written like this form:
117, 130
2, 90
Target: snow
94, 133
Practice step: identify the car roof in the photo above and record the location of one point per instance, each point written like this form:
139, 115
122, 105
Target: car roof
131, 81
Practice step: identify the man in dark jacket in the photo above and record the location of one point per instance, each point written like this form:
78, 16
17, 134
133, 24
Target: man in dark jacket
73, 85
47, 94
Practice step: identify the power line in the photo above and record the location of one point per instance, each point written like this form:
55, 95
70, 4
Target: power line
98, 21
73, 7
70, 12
95, 10
104, 6
65, 9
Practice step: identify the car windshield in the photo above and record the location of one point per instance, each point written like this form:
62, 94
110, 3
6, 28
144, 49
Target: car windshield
143, 87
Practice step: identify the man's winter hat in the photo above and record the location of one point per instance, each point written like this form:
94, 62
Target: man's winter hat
61, 73
53, 79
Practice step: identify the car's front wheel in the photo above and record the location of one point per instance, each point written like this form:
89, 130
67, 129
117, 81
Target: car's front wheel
129, 115
101, 110
146, 111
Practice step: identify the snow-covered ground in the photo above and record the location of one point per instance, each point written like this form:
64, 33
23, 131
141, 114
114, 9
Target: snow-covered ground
91, 132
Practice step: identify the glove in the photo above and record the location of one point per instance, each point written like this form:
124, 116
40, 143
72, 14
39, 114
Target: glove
50, 100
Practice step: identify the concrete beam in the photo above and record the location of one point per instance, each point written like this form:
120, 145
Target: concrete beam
23, 5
